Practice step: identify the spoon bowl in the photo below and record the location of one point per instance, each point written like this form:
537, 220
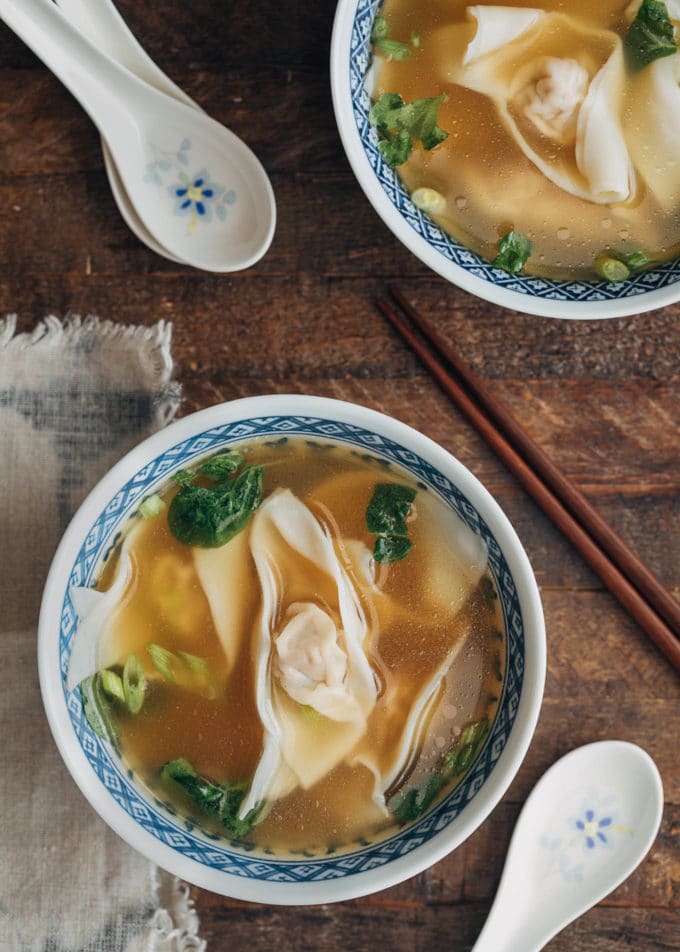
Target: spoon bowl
196, 187
585, 827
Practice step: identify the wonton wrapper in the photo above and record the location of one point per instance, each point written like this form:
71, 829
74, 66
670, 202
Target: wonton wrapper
397, 727
595, 167
654, 128
221, 572
92, 649
299, 571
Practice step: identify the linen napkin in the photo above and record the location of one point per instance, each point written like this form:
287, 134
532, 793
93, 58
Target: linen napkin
74, 397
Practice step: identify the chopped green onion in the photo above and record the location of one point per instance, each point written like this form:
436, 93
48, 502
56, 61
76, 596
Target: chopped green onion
379, 31
194, 663
428, 200
635, 260
611, 269
162, 660
151, 506
460, 756
514, 250
394, 49
134, 684
416, 40
112, 685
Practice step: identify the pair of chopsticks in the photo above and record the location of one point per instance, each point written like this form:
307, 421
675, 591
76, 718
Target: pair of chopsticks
638, 590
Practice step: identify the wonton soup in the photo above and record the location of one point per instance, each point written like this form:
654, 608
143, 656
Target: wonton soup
543, 136
295, 644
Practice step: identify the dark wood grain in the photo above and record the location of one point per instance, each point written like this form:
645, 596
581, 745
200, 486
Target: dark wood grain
602, 398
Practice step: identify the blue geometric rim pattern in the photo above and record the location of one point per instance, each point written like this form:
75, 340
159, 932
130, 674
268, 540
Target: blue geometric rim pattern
180, 835
591, 292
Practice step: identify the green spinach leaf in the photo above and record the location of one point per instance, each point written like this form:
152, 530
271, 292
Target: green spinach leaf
391, 548
650, 35
514, 250
219, 800
386, 517
222, 466
208, 517
388, 508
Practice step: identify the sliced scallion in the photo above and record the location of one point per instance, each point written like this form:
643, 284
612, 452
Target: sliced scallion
611, 269
151, 507
134, 684
162, 660
112, 685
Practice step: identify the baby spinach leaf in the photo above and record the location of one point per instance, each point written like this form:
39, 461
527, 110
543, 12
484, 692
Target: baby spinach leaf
514, 250
399, 124
386, 517
219, 800
210, 517
388, 508
391, 548
221, 467
650, 35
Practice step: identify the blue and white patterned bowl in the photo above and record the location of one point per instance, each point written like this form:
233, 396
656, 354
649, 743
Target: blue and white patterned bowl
350, 59
178, 844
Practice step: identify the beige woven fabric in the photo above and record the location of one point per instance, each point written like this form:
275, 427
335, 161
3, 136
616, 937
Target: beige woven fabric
74, 397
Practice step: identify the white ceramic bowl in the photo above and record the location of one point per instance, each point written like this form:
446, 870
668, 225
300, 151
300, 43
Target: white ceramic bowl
350, 59
157, 830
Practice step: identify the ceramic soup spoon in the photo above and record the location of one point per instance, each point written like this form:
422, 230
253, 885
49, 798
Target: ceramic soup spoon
102, 24
196, 187
585, 827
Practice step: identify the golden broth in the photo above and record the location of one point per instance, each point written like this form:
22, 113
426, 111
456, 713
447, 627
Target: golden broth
220, 732
490, 186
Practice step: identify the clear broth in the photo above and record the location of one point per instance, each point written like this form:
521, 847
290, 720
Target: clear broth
222, 736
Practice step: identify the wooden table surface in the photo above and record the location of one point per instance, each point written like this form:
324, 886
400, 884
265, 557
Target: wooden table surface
601, 397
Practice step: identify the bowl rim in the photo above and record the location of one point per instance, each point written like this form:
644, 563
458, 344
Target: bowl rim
502, 295
222, 881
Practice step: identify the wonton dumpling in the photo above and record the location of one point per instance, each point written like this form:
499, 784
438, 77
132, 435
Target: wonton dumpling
654, 128
561, 109
308, 600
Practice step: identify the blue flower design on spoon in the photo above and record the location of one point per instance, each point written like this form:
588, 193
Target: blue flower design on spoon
196, 196
593, 828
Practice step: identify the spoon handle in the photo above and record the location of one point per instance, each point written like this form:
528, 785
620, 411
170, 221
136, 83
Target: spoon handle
97, 82
102, 24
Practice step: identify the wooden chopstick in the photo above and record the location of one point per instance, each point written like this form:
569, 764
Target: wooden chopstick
594, 554
584, 512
